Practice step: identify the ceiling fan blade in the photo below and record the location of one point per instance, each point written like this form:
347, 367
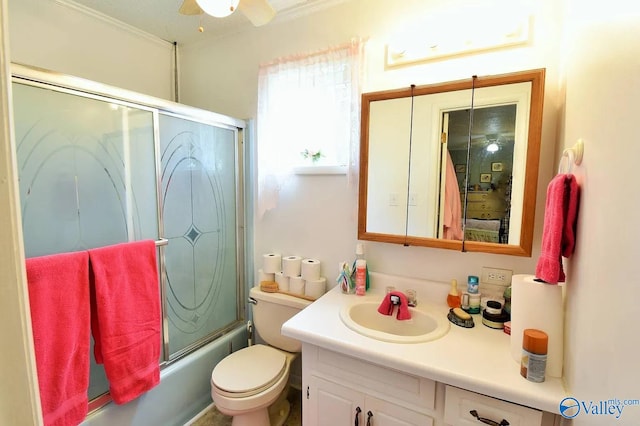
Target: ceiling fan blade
259, 12
190, 7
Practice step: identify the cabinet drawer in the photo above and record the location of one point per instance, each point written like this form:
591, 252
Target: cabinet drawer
459, 403
411, 391
484, 214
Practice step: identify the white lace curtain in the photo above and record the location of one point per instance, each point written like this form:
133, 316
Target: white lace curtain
307, 103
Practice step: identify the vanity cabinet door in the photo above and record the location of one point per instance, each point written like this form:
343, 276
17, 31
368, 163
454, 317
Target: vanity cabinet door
334, 404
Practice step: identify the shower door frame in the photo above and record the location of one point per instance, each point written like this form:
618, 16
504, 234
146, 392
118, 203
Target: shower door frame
35, 77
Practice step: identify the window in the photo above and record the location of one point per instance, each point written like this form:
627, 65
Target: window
308, 106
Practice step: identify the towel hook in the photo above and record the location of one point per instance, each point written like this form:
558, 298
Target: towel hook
572, 156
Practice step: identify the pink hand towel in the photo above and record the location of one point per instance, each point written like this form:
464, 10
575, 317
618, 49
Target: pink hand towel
125, 318
386, 307
558, 234
59, 300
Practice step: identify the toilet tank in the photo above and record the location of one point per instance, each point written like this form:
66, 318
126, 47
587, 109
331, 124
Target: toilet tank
270, 312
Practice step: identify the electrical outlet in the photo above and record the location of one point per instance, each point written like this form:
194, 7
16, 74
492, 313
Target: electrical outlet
496, 276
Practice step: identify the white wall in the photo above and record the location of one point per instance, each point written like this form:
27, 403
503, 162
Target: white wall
602, 90
48, 35
317, 215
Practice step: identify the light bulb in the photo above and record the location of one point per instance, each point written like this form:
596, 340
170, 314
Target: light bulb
218, 8
492, 147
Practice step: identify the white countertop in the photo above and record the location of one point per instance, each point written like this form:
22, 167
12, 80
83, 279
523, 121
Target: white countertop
477, 359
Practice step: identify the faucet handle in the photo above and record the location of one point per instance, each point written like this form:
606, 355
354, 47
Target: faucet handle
412, 297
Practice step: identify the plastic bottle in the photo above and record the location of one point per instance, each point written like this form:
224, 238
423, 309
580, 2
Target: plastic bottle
360, 256
361, 277
453, 298
472, 284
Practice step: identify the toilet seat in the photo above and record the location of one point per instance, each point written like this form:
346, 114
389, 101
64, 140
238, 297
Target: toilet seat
249, 371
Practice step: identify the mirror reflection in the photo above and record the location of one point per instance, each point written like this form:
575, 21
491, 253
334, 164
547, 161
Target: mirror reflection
452, 165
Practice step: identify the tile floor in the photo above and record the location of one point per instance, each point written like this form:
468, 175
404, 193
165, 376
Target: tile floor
214, 418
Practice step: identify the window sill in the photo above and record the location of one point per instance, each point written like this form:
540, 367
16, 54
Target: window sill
320, 170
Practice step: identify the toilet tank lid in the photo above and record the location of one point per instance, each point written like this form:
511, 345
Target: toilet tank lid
283, 299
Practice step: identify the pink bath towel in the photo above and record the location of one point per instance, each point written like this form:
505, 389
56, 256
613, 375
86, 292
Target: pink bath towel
125, 317
386, 307
452, 207
59, 300
558, 234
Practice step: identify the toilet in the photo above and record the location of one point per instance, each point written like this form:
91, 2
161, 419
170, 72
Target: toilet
252, 384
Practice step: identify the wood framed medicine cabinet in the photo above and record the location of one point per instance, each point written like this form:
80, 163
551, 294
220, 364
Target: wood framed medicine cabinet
488, 129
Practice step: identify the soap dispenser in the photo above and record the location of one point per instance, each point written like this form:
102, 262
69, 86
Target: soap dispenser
453, 298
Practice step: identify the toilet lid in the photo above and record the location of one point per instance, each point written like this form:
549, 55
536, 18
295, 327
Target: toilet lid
249, 369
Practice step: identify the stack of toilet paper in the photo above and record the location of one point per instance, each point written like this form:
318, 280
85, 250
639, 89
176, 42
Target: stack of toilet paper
294, 274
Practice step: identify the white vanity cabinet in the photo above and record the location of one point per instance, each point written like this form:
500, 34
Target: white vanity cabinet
342, 390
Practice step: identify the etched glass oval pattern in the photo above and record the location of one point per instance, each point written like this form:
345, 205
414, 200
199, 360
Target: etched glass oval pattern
198, 205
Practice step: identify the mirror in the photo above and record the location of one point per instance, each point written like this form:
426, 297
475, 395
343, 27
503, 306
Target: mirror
453, 165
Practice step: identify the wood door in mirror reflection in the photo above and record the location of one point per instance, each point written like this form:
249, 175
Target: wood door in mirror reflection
405, 194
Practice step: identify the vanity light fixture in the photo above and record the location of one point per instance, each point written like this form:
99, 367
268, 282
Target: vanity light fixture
218, 8
439, 39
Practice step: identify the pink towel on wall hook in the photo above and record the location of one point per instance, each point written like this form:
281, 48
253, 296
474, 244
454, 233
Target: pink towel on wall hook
558, 234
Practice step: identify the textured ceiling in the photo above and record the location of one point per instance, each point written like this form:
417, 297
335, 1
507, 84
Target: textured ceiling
161, 17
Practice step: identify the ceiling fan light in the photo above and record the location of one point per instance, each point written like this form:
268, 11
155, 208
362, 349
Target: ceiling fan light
218, 8
493, 147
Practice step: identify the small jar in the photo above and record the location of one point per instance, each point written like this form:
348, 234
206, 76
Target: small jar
474, 303
534, 354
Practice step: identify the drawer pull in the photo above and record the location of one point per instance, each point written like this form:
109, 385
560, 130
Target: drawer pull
369, 415
474, 413
357, 420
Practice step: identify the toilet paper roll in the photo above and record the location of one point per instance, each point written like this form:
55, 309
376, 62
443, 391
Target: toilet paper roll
310, 269
315, 288
296, 285
283, 282
537, 305
271, 263
291, 266
263, 276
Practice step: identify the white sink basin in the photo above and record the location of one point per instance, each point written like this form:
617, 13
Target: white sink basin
364, 318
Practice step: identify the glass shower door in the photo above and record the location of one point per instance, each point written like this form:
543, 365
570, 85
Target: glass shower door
87, 177
198, 180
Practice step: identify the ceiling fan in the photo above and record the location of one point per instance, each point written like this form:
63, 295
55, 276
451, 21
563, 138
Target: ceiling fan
259, 12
